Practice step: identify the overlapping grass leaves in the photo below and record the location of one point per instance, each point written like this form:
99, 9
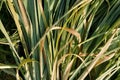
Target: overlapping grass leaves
66, 37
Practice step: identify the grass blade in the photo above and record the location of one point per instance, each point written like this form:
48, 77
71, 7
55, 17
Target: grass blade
103, 50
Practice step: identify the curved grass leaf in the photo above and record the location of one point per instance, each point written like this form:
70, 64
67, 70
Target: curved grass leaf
103, 50
25, 61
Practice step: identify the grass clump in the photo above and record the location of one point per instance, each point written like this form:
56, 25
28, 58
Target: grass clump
65, 40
